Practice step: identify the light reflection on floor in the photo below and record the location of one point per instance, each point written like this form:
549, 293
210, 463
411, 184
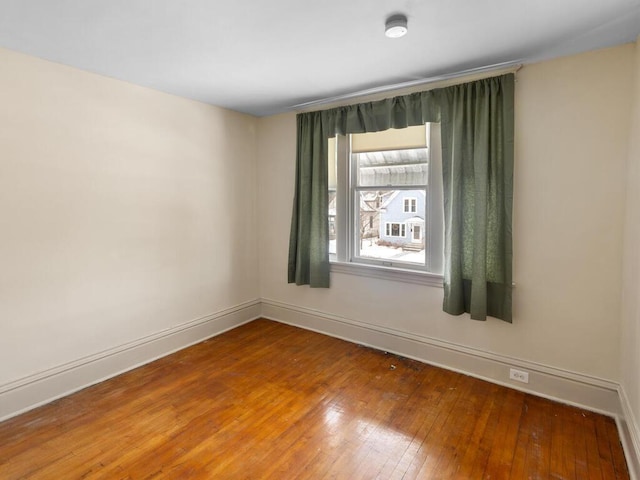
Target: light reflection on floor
369, 439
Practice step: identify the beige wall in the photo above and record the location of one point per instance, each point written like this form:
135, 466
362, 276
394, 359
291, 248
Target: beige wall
630, 351
571, 152
123, 212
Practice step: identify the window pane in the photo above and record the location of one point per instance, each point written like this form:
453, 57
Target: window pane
332, 160
332, 221
392, 167
386, 231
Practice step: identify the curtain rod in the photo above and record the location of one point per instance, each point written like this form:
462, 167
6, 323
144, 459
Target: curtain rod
507, 67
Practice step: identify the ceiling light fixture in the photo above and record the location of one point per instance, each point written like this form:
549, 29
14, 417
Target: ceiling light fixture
396, 26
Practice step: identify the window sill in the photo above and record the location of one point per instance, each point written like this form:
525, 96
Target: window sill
388, 273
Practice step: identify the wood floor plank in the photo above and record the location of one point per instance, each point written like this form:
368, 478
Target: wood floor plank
267, 400
479, 448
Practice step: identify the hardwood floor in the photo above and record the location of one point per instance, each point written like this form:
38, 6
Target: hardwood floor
271, 401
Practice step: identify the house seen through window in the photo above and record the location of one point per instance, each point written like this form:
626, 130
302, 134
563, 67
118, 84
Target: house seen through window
385, 199
410, 205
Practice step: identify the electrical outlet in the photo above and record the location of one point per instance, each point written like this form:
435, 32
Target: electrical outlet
518, 375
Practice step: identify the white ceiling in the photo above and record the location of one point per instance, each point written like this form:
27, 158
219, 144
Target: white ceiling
265, 57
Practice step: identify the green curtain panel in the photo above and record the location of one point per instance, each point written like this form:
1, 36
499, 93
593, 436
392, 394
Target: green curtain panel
477, 167
477, 136
309, 240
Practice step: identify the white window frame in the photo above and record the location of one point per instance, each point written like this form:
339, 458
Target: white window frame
345, 261
402, 229
413, 205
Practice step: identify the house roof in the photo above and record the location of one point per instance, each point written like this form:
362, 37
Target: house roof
393, 167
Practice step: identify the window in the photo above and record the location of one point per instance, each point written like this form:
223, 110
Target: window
395, 229
385, 192
410, 205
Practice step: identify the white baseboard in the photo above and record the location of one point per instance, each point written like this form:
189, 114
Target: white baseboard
591, 393
629, 431
35, 390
